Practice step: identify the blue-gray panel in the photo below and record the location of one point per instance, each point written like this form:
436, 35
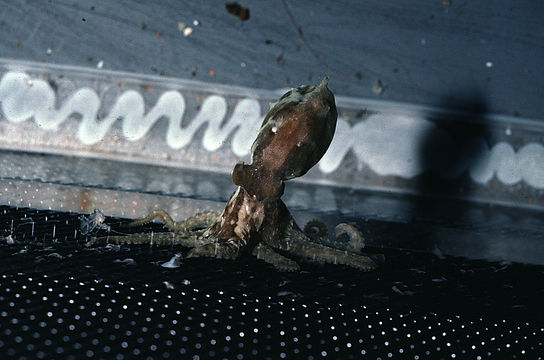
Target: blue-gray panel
485, 56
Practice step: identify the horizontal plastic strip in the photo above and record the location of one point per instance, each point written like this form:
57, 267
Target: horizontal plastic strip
378, 145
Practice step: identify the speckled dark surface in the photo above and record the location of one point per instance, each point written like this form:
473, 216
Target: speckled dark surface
59, 299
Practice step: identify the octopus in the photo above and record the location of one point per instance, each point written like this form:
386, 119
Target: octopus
293, 137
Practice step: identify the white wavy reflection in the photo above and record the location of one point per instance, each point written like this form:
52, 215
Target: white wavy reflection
387, 144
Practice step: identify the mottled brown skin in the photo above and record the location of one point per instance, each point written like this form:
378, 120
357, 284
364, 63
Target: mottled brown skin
293, 137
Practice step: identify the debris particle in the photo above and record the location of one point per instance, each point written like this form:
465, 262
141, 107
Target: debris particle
358, 75
49, 51
127, 261
501, 268
95, 221
187, 31
400, 292
113, 247
284, 282
196, 22
446, 3
489, 64
237, 10
100, 64
181, 26
168, 285
186, 282
55, 255
9, 240
378, 87
243, 64
437, 252
212, 72
143, 25
173, 263
157, 36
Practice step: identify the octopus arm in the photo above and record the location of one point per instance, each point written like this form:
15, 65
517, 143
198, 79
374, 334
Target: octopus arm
189, 239
197, 221
280, 262
297, 243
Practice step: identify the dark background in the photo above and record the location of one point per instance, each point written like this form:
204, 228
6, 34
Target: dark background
438, 53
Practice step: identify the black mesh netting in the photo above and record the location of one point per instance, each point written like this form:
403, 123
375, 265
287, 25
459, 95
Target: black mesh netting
59, 299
